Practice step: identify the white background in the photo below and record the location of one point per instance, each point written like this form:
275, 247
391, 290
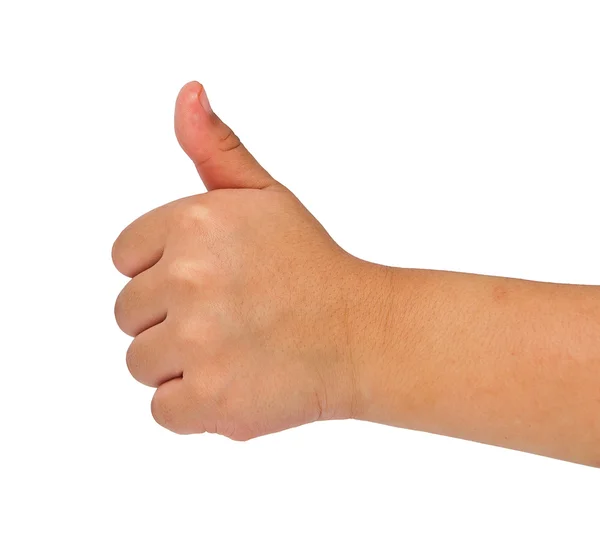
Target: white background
457, 135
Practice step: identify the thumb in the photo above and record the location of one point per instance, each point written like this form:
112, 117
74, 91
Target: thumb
219, 156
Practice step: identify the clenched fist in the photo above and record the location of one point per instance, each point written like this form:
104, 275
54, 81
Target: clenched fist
244, 312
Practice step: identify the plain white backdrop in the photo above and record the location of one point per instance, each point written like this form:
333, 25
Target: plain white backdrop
456, 135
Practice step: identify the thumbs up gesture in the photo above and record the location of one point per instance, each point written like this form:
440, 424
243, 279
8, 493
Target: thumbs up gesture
245, 313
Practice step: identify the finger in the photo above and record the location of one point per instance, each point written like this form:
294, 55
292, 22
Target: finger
175, 408
140, 245
151, 360
218, 154
141, 304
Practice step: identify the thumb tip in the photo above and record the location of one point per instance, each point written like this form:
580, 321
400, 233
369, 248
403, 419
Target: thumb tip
189, 93
192, 113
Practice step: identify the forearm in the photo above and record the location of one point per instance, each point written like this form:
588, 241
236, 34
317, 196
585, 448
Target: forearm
502, 361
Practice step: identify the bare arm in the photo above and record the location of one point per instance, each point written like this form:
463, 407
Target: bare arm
247, 318
502, 361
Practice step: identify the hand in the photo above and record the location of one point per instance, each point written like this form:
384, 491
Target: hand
242, 307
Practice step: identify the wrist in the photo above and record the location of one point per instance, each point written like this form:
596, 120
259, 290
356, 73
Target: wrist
382, 335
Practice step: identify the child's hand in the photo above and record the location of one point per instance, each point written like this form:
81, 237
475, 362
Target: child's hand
241, 305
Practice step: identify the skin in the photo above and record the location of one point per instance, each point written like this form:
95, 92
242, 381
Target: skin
249, 319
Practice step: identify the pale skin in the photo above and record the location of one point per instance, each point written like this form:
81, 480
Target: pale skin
249, 319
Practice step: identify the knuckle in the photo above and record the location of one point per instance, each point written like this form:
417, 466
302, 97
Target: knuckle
182, 279
185, 332
229, 141
208, 273
193, 332
191, 215
182, 272
191, 273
